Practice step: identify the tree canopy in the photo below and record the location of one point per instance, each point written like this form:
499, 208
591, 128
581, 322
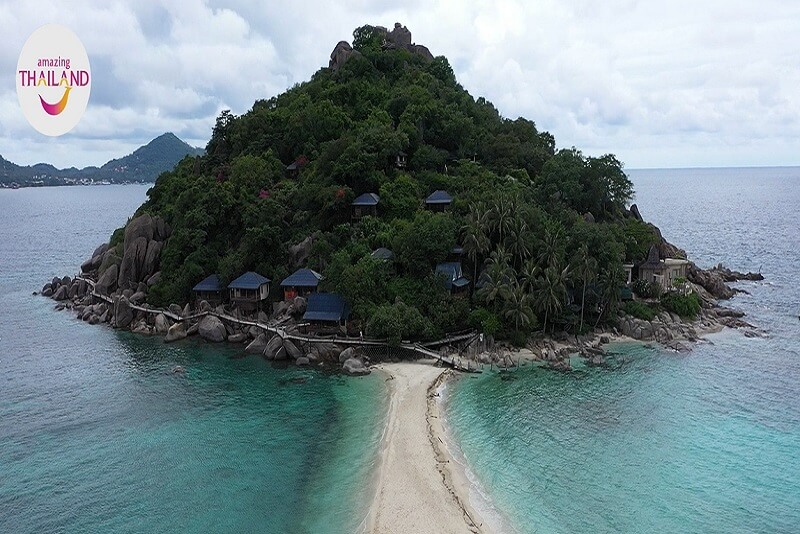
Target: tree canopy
538, 225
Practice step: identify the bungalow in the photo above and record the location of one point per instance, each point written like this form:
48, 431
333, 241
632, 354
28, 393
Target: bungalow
452, 276
326, 309
438, 201
294, 168
300, 283
249, 291
366, 204
209, 289
662, 271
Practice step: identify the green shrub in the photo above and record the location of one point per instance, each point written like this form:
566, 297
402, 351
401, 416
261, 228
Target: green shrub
640, 310
518, 338
398, 321
645, 289
687, 306
484, 321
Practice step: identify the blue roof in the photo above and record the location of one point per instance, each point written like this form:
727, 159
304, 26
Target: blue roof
439, 197
326, 307
249, 280
461, 282
302, 278
451, 273
210, 283
367, 199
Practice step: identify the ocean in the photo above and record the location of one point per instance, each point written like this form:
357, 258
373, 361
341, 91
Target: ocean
707, 442
97, 434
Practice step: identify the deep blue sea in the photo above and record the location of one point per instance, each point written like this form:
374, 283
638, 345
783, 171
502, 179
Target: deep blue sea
707, 442
98, 435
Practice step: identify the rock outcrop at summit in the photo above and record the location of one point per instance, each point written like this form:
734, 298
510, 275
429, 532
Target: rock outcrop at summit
397, 38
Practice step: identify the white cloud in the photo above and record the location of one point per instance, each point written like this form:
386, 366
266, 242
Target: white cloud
668, 84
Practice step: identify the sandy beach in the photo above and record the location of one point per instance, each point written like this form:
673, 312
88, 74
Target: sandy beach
418, 487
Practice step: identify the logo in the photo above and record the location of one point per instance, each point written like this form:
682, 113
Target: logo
54, 79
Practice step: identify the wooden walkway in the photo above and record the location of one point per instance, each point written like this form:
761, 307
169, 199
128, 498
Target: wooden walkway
422, 350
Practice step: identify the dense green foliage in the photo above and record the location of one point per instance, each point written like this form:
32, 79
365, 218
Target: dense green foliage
640, 310
544, 231
687, 306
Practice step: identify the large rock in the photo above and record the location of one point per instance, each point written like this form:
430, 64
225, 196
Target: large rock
354, 367
423, 51
176, 332
274, 349
258, 345
142, 226
302, 361
212, 329
151, 259
123, 314
341, 53
291, 349
130, 270
346, 354
300, 252
47, 291
61, 293
108, 280
175, 309
237, 338
299, 306
400, 36
161, 324
153, 280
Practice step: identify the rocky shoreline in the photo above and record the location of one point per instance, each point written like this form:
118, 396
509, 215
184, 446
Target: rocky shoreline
114, 283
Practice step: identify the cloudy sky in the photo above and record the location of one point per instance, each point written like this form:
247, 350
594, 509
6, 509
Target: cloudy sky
661, 84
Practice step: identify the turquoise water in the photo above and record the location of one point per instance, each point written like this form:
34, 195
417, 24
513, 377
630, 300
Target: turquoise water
660, 442
98, 435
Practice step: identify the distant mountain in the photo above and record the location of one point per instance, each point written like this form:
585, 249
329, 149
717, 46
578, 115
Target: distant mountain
143, 165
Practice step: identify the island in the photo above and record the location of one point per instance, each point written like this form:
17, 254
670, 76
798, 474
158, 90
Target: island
379, 213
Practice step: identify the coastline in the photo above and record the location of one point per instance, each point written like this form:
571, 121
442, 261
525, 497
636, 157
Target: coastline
419, 487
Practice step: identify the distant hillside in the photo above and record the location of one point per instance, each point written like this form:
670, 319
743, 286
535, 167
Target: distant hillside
143, 165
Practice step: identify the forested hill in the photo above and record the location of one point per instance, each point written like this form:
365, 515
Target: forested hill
143, 165
387, 117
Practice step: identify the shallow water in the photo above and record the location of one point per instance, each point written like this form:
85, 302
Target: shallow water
660, 442
97, 434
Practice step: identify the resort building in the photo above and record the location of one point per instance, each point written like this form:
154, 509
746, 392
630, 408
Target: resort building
628, 269
300, 283
438, 201
326, 310
209, 290
662, 271
451, 274
366, 204
249, 291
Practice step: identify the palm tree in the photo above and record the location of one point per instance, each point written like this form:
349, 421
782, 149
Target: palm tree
497, 277
550, 250
500, 215
476, 239
518, 306
610, 282
586, 270
551, 292
517, 239
529, 274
